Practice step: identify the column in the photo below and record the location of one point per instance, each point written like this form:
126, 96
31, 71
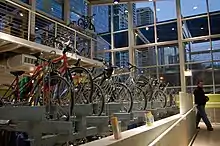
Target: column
181, 48
67, 11
31, 21
112, 35
131, 33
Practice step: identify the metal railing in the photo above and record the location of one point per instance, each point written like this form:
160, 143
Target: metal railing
22, 22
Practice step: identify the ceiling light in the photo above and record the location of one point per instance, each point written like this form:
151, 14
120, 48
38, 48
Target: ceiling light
202, 28
150, 0
158, 9
116, 1
21, 14
195, 7
126, 11
136, 34
147, 28
51, 9
173, 28
36, 28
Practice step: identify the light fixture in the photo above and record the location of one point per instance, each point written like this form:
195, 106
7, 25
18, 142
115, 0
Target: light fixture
202, 28
116, 1
188, 73
147, 28
21, 14
158, 9
126, 11
161, 78
173, 28
136, 34
51, 9
195, 7
150, 0
36, 28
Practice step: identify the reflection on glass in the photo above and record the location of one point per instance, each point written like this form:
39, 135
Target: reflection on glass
214, 23
120, 16
198, 51
105, 55
170, 74
213, 5
196, 27
167, 32
165, 10
144, 13
101, 18
53, 7
216, 49
121, 39
168, 55
121, 59
144, 35
145, 57
193, 7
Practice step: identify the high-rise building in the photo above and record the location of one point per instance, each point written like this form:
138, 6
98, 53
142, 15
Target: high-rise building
120, 18
145, 16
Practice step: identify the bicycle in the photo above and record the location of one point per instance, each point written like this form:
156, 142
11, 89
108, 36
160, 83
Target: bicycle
85, 22
114, 91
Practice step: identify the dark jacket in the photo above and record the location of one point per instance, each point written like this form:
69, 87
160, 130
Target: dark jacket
199, 95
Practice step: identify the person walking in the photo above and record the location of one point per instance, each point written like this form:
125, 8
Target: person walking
200, 101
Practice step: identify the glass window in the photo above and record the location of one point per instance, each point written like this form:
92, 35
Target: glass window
198, 51
52, 7
196, 27
25, 1
144, 35
165, 10
105, 55
145, 57
170, 74
214, 23
101, 19
144, 13
78, 6
168, 55
213, 5
121, 39
121, 58
120, 17
167, 32
216, 49
193, 7
217, 89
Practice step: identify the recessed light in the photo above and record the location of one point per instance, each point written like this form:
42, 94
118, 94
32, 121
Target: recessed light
158, 9
36, 28
150, 0
126, 11
147, 28
21, 14
195, 7
202, 28
173, 28
116, 1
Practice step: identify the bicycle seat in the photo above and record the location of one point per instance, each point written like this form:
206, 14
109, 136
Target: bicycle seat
17, 73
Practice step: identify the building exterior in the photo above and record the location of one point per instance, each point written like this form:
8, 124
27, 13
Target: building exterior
145, 16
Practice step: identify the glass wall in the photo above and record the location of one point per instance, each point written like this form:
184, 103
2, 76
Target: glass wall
155, 36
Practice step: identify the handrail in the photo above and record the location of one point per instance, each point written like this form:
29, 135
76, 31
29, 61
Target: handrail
171, 127
36, 13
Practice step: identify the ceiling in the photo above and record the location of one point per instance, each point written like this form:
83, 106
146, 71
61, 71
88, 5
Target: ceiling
107, 2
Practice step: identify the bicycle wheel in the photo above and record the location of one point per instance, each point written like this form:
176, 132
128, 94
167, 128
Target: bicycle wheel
82, 84
81, 22
97, 100
58, 96
91, 27
122, 94
159, 97
139, 98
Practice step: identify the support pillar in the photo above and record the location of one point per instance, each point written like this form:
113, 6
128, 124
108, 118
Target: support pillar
67, 11
131, 34
112, 35
31, 21
181, 48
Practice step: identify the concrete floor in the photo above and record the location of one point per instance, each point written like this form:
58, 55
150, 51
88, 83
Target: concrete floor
208, 138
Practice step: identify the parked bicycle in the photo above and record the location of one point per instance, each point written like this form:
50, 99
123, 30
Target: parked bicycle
85, 22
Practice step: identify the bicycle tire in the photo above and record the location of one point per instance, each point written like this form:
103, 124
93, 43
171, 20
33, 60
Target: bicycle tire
81, 22
129, 95
59, 98
91, 86
101, 100
155, 93
143, 101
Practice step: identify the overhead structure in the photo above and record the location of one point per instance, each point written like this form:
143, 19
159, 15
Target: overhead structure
109, 2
